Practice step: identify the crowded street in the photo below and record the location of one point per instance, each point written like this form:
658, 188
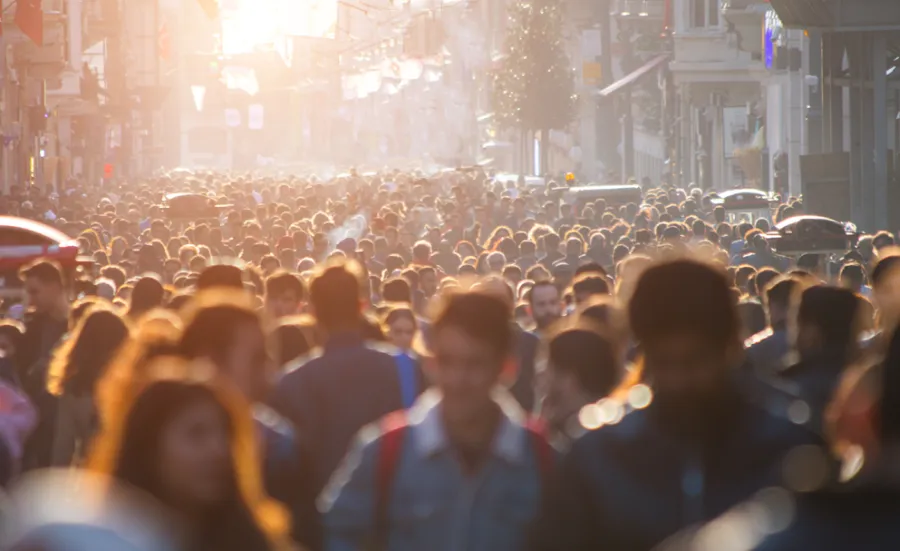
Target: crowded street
449, 275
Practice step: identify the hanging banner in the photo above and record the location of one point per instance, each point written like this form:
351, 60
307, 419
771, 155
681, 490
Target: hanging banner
255, 117
232, 118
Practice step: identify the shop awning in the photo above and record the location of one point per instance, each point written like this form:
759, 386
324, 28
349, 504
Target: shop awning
628, 80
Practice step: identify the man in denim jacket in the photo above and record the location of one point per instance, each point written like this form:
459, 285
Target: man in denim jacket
467, 472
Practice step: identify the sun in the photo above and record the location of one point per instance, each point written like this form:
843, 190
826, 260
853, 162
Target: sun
251, 24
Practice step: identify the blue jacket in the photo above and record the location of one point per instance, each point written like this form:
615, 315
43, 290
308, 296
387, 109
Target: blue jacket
431, 503
628, 487
330, 395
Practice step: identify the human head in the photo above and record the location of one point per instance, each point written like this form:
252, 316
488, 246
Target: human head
80, 362
886, 290
11, 333
853, 276
472, 340
545, 304
826, 323
589, 285
335, 295
397, 290
148, 294
285, 293
44, 286
777, 301
428, 280
683, 315
224, 328
184, 442
400, 326
583, 366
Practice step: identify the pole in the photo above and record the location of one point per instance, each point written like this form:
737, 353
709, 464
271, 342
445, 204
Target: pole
815, 143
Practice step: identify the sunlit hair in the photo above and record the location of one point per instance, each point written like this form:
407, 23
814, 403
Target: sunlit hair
93, 239
499, 233
112, 243
80, 309
211, 321
397, 312
156, 335
79, 363
129, 446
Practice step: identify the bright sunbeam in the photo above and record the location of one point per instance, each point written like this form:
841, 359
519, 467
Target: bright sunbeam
258, 23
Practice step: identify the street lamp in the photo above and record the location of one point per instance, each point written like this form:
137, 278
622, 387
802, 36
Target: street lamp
643, 12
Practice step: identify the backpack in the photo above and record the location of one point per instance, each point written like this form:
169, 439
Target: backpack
394, 428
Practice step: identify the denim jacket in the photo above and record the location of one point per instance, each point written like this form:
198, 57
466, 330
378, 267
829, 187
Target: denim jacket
433, 504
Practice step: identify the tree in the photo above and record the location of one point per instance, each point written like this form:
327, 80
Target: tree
533, 89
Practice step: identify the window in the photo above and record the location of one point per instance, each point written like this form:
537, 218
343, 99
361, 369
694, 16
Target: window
704, 13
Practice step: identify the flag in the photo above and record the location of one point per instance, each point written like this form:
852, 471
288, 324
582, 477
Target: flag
211, 7
30, 20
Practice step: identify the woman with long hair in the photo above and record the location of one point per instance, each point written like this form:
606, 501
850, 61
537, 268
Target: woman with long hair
77, 366
186, 439
117, 248
225, 329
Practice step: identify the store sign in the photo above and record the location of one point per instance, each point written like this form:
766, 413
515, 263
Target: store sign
591, 73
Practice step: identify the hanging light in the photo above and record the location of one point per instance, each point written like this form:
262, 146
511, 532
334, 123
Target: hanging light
643, 12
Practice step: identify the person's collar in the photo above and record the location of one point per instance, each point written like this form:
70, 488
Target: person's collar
430, 436
344, 338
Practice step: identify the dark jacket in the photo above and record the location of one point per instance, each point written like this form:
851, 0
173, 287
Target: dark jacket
287, 475
526, 351
814, 380
42, 334
629, 486
861, 520
332, 394
766, 350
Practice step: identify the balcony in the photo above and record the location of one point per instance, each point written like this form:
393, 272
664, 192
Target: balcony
716, 55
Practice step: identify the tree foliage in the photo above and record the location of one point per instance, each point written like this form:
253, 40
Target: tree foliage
533, 89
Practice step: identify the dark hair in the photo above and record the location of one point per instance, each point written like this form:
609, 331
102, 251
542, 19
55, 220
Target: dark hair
684, 297
396, 289
853, 272
482, 315
590, 356
136, 462
220, 276
832, 311
335, 295
884, 269
282, 282
591, 284
210, 328
80, 362
148, 293
779, 293
398, 312
115, 274
511, 270
764, 277
47, 272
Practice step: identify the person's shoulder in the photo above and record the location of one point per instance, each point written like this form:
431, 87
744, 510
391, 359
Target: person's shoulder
759, 338
595, 443
298, 366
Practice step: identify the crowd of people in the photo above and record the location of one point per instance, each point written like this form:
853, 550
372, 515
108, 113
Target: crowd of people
397, 361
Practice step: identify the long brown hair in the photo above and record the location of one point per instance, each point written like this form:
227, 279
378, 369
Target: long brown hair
128, 449
79, 363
